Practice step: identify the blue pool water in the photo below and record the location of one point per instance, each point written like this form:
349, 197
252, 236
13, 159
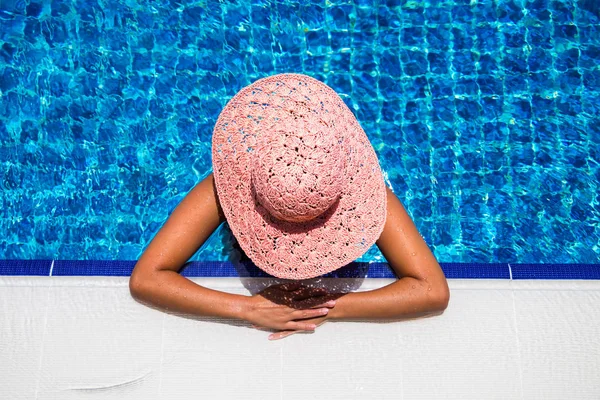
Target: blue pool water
485, 116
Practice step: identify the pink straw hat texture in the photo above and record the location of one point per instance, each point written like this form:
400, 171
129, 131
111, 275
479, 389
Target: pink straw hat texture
297, 178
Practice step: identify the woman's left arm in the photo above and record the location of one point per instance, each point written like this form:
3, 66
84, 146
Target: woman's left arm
422, 288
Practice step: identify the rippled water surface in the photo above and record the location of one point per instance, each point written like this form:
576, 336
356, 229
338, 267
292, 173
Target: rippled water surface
485, 116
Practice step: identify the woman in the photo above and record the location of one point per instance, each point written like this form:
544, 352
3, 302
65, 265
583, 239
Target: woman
301, 188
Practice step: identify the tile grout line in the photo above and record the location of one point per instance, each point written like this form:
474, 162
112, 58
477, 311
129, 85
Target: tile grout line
162, 355
281, 371
518, 343
400, 337
39, 377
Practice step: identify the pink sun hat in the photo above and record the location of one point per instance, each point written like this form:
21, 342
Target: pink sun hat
297, 178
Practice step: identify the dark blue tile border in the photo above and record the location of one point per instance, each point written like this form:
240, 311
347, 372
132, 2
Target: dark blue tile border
25, 267
382, 270
210, 269
475, 271
555, 271
92, 268
352, 270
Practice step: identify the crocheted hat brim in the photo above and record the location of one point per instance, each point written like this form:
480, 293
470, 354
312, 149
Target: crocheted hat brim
296, 250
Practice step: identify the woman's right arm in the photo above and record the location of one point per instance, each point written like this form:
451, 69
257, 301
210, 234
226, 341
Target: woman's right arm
155, 279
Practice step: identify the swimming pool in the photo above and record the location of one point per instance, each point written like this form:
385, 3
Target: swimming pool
485, 119
484, 116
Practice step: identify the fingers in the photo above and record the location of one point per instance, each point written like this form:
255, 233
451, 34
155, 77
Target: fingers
313, 302
293, 319
294, 329
309, 313
291, 326
281, 335
288, 320
329, 304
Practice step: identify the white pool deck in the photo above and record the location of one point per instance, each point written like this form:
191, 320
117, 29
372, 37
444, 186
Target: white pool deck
86, 338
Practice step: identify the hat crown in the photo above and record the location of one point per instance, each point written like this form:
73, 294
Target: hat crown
298, 169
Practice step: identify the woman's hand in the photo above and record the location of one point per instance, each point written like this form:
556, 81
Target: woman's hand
265, 314
290, 308
318, 321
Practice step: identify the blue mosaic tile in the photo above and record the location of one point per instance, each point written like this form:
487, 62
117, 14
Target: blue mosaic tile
421, 208
540, 36
515, 83
591, 79
444, 135
443, 110
590, 56
468, 109
463, 37
462, 14
364, 86
438, 15
540, 60
414, 155
567, 59
570, 81
464, 62
438, 37
439, 63
389, 39
365, 39
588, 34
414, 15
445, 205
420, 184
467, 87
413, 36
492, 109
509, 11
489, 85
500, 202
366, 19
515, 38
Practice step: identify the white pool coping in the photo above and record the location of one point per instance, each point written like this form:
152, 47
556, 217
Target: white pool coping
85, 337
